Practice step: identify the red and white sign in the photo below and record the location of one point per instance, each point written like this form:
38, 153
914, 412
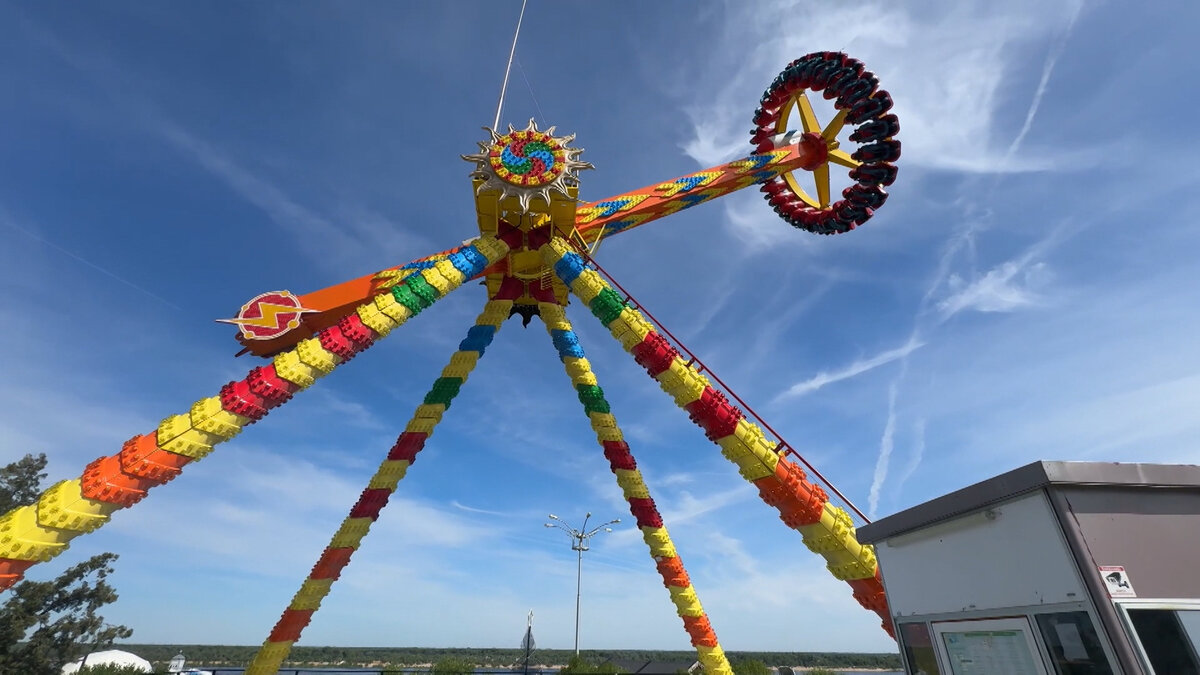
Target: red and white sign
1116, 580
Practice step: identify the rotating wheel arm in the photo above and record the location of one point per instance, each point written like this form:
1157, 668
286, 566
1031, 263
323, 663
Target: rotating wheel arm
43, 530
596, 220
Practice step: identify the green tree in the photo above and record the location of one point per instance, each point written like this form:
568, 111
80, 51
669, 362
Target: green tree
45, 624
821, 671
750, 667
111, 670
453, 665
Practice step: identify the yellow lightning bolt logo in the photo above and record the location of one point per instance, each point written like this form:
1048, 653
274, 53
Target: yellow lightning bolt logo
268, 316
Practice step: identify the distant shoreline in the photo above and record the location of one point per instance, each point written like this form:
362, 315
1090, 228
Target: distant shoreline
236, 656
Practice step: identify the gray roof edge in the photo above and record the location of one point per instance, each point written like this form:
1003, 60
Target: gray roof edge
1032, 476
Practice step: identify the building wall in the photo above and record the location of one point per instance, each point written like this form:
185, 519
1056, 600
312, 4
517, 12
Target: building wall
974, 562
1151, 532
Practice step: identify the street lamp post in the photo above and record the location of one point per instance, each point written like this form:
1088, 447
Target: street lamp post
579, 544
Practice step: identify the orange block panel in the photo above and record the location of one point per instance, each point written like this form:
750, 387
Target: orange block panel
673, 573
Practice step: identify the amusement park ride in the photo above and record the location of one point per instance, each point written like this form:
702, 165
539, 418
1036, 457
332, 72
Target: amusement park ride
534, 250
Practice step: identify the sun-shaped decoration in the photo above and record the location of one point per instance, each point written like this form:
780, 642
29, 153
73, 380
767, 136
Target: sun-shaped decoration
526, 163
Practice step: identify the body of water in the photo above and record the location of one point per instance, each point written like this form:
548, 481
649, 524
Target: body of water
479, 671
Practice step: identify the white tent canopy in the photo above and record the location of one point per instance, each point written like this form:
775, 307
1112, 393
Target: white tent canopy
114, 657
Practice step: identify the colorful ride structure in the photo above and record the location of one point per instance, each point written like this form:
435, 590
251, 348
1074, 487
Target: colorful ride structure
533, 251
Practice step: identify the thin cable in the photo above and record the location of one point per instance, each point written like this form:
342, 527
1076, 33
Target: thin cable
508, 68
530, 88
788, 449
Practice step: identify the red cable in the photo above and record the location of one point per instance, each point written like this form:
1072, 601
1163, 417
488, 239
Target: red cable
787, 448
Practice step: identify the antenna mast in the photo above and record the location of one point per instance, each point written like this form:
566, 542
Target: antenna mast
508, 68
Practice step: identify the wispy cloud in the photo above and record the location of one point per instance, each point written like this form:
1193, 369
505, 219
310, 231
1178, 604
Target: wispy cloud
915, 457
949, 120
1047, 70
1004, 288
886, 445
8, 221
855, 368
1010, 285
471, 509
355, 238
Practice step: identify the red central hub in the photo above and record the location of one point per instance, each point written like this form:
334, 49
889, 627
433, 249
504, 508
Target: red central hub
814, 149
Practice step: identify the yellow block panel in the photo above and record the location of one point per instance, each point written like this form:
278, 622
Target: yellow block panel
461, 364
389, 474
387, 304
313, 355
554, 316
192, 443
580, 370
659, 542
22, 538
311, 593
208, 415
588, 285
433, 411
449, 272
436, 280
350, 533
632, 484
374, 319
172, 427
269, 656
686, 602
492, 248
289, 366
63, 506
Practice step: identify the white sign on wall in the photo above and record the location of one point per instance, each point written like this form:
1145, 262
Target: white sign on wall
1116, 580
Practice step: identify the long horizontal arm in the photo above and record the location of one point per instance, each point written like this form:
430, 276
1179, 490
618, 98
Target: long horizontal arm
41, 531
610, 216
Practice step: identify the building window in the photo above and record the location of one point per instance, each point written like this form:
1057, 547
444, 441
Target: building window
918, 649
1170, 638
1073, 643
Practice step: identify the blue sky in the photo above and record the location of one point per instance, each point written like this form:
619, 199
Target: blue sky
1028, 292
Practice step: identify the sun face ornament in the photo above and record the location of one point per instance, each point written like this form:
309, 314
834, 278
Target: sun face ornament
527, 163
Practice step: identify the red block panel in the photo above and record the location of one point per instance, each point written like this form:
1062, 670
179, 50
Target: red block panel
331, 564
370, 503
239, 399
290, 625
617, 453
408, 445
654, 353
646, 513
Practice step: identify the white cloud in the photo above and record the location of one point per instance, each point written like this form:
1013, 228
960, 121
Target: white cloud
1002, 289
855, 368
886, 444
946, 73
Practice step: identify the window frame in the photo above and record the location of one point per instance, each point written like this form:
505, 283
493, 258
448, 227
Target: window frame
1022, 622
1123, 606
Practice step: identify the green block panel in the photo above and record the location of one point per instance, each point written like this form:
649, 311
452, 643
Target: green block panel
444, 390
592, 398
607, 306
406, 297
422, 289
